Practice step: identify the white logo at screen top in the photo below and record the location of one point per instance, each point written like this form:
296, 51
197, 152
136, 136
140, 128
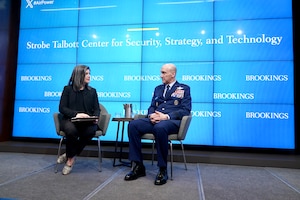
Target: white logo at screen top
29, 3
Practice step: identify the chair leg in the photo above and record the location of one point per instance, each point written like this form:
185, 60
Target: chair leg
58, 153
152, 152
171, 158
183, 154
99, 154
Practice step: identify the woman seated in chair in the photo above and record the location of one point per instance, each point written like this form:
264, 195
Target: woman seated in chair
78, 100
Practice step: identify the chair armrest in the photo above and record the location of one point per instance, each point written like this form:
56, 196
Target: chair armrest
57, 118
184, 125
103, 122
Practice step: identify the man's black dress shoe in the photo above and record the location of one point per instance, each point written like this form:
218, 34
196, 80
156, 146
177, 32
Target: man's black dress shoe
161, 177
138, 171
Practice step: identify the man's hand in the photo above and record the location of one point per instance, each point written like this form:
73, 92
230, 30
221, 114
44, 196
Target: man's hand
158, 116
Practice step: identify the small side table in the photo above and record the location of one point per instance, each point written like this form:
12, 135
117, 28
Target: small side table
120, 120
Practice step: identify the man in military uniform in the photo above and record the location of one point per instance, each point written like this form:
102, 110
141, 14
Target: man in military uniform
170, 102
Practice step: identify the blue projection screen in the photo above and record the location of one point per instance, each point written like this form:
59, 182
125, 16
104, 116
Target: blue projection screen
236, 55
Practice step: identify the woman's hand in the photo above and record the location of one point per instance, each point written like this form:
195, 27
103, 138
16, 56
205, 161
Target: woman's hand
82, 115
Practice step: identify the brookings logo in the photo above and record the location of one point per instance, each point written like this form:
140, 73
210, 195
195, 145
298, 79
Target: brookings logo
31, 3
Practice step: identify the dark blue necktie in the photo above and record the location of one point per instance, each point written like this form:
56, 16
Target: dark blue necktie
166, 90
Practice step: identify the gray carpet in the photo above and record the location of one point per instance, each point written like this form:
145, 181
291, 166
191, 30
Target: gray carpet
25, 176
